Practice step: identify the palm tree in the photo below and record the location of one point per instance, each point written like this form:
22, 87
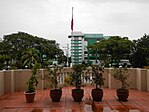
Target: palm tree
31, 57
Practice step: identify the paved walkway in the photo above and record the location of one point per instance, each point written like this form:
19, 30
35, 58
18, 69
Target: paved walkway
15, 102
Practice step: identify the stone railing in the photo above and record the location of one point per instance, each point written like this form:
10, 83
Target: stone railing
15, 80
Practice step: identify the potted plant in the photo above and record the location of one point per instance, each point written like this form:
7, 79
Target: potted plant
52, 78
121, 74
68, 80
77, 93
31, 59
98, 80
31, 84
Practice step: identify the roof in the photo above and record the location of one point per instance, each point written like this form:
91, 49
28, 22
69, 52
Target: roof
76, 34
93, 36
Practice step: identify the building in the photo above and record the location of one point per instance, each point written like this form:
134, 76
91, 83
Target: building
79, 51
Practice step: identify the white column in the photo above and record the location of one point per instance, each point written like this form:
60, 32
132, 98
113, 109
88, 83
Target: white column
12, 81
1, 83
109, 79
42, 77
63, 78
141, 79
138, 79
147, 79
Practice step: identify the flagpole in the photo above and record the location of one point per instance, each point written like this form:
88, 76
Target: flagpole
72, 31
72, 24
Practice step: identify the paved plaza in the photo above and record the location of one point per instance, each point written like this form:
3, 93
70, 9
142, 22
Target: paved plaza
15, 102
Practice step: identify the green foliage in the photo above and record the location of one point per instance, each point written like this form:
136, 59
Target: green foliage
53, 76
97, 73
121, 74
68, 80
140, 56
76, 75
31, 57
14, 45
3, 58
114, 48
33, 80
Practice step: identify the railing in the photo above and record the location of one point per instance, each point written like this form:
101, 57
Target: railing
15, 80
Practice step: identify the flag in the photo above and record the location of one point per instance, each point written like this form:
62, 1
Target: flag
72, 24
72, 21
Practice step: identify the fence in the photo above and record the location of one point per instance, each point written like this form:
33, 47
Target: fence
15, 80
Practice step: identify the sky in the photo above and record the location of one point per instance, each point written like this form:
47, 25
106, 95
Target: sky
51, 19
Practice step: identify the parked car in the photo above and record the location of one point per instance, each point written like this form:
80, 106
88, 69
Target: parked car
122, 62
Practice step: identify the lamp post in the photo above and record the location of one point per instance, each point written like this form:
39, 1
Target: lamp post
67, 53
96, 55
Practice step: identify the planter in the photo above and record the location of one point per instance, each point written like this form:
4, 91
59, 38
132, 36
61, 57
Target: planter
29, 96
122, 94
77, 94
97, 94
56, 95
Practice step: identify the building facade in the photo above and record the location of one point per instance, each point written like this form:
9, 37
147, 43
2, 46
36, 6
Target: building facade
79, 51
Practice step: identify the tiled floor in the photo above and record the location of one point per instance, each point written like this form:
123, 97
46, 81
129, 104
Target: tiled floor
138, 102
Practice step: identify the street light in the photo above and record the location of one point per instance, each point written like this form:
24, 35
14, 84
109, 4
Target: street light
67, 53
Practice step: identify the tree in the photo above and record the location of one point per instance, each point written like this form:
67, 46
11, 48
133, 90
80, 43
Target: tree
14, 45
140, 55
114, 49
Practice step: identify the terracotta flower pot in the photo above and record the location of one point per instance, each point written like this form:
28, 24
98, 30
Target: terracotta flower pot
29, 96
56, 95
97, 94
122, 94
77, 94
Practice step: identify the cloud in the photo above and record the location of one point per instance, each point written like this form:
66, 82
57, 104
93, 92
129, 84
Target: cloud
52, 18
116, 1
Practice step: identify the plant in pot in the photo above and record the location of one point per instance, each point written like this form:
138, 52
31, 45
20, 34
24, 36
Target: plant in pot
31, 59
68, 80
31, 84
98, 80
52, 78
121, 75
77, 93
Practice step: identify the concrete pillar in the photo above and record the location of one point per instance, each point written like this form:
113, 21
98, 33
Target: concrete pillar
42, 77
63, 78
1, 83
109, 78
105, 75
7, 81
12, 81
144, 79
138, 78
132, 78
147, 79
141, 79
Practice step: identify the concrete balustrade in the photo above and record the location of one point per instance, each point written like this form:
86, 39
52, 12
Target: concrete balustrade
15, 80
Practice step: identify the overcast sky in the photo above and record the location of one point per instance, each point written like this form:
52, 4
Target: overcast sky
51, 19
